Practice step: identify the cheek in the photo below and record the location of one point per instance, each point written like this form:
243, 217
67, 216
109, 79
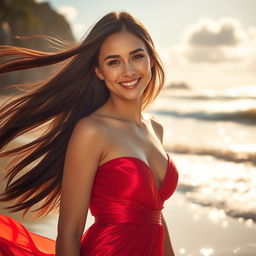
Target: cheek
144, 66
147, 71
111, 73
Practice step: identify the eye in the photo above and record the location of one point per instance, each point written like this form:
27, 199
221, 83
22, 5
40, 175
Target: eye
139, 56
112, 62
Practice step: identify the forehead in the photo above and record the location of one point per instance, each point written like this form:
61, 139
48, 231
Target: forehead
121, 43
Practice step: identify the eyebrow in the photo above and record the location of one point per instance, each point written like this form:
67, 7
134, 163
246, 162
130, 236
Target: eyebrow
116, 56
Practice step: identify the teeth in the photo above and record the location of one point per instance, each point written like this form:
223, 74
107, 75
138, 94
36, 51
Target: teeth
130, 83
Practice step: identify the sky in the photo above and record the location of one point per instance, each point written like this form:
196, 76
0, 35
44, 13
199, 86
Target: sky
208, 44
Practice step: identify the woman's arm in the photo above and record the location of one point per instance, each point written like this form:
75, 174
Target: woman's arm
168, 250
81, 161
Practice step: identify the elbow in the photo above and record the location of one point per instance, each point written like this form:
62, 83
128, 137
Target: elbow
66, 232
67, 245
67, 236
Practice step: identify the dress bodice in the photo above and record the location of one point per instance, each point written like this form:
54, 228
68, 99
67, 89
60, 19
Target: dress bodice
127, 184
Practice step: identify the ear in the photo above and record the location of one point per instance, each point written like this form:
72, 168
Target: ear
98, 73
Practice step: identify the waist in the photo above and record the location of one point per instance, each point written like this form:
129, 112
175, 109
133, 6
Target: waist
149, 216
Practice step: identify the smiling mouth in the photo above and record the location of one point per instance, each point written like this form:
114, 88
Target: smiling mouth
131, 84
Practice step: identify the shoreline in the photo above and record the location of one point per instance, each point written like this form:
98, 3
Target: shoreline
224, 186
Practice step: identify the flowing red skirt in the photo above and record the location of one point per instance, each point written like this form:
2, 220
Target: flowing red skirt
16, 240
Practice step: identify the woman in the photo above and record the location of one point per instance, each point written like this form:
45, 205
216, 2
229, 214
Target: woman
100, 151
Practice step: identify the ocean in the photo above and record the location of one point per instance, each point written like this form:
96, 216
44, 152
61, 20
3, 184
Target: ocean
212, 136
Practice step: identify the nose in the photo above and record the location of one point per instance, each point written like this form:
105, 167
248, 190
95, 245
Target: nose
128, 69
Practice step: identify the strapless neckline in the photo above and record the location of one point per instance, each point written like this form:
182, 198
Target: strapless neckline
147, 167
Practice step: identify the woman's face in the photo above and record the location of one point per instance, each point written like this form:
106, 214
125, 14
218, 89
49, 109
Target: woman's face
123, 61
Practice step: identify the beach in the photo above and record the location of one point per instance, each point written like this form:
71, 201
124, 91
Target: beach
212, 211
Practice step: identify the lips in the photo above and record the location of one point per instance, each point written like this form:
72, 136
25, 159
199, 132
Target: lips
131, 83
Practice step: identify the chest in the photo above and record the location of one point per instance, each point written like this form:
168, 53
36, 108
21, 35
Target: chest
144, 145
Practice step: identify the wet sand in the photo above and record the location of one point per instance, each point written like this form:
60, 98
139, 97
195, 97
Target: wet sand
197, 230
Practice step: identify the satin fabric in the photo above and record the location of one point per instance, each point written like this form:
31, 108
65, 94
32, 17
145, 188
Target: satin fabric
126, 204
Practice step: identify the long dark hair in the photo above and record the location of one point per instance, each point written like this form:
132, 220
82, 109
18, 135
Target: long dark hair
58, 103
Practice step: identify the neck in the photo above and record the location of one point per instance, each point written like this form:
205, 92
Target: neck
130, 111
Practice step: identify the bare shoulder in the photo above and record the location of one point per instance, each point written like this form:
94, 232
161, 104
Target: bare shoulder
92, 128
88, 124
157, 126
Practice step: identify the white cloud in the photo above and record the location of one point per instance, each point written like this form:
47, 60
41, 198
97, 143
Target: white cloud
214, 53
79, 30
70, 12
212, 33
224, 41
215, 41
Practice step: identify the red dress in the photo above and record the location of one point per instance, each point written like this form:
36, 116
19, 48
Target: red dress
126, 205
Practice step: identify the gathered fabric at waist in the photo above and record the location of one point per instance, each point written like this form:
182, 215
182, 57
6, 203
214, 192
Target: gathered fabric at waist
148, 216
